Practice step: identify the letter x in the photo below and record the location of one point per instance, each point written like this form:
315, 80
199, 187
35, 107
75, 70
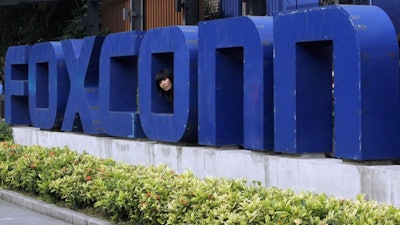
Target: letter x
82, 60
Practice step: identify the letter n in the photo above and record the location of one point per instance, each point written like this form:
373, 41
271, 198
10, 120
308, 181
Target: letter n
360, 119
235, 82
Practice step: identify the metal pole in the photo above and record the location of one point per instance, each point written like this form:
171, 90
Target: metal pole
136, 14
130, 15
93, 16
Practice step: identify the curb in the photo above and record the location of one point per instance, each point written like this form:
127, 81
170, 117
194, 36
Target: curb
51, 210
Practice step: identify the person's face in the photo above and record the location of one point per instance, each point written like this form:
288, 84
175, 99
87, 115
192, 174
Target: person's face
166, 84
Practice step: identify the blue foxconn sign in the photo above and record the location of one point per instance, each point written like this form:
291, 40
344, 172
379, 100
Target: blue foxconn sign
264, 83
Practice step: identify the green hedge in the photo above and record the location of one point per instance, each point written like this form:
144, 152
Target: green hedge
158, 195
6, 132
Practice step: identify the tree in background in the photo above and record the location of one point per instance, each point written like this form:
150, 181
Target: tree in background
28, 24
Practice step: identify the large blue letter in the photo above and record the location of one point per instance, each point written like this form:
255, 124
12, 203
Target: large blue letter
82, 59
364, 52
16, 95
48, 85
174, 48
235, 82
119, 84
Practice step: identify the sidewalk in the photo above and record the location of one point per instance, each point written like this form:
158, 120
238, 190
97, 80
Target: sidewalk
11, 214
17, 209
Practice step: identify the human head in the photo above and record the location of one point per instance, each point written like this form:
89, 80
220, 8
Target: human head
161, 76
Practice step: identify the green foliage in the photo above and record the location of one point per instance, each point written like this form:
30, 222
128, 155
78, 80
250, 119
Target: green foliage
76, 27
211, 9
158, 195
6, 132
28, 24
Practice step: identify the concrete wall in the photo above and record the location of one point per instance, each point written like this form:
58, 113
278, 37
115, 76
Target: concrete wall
300, 173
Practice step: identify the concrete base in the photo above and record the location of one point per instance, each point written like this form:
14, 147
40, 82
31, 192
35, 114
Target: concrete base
301, 173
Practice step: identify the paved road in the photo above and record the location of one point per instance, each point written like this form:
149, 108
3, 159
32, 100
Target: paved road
17, 209
11, 214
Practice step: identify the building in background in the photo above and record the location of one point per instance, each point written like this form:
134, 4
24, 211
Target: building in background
127, 15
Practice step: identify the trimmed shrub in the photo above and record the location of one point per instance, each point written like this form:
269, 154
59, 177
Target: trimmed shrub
6, 132
158, 195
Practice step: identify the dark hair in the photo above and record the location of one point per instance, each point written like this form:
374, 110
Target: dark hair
162, 75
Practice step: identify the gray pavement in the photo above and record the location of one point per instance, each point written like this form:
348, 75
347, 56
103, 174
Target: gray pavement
17, 209
11, 214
